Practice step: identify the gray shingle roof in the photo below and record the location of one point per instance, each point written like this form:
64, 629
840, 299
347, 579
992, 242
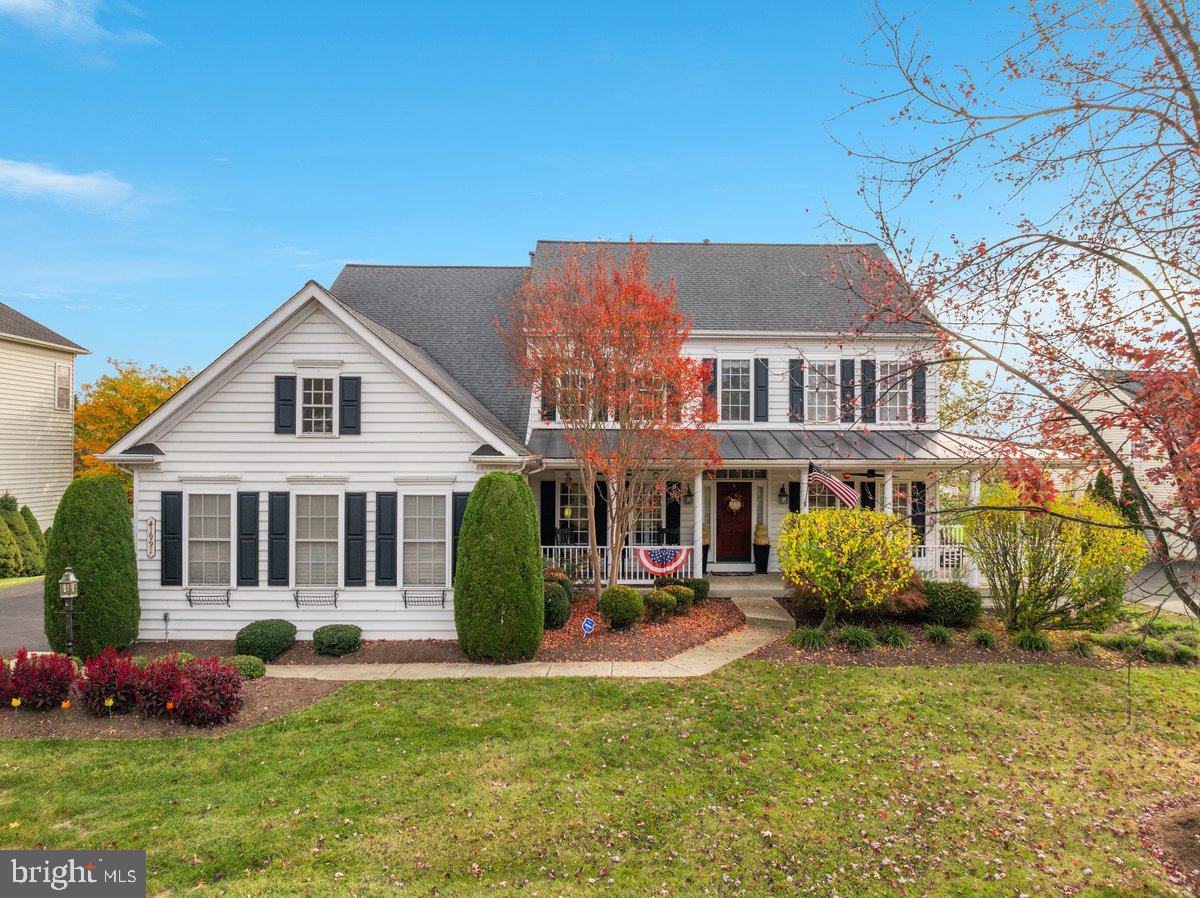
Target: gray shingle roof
753, 286
446, 314
14, 323
819, 445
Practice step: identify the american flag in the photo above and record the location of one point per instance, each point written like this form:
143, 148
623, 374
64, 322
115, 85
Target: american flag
846, 494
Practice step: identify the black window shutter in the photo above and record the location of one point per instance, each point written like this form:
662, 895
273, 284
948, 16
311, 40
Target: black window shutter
247, 539
796, 389
459, 509
278, 510
548, 511
847, 391
386, 520
866, 494
917, 511
761, 377
868, 391
794, 495
285, 403
171, 539
918, 393
602, 513
548, 410
712, 376
356, 539
673, 490
350, 402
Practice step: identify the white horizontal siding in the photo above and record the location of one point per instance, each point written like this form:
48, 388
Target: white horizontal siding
36, 439
405, 434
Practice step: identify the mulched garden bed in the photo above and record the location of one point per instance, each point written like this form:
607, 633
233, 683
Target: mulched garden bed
266, 699
922, 652
1171, 830
642, 642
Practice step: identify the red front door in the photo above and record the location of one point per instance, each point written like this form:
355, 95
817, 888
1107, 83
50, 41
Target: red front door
733, 521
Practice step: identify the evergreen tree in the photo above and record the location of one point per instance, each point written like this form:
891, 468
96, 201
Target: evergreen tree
1128, 505
10, 555
34, 527
1104, 490
33, 561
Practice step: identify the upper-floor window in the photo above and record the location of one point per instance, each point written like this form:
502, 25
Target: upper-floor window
821, 401
317, 540
62, 387
209, 542
894, 390
316, 408
424, 540
735, 389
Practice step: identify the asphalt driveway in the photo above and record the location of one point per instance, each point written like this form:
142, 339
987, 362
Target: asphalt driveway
21, 618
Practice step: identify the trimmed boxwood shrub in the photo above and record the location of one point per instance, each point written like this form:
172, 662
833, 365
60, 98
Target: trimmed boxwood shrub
621, 606
684, 597
247, 666
698, 585
34, 527
953, 604
499, 595
33, 560
558, 606
337, 639
92, 535
10, 555
265, 639
658, 603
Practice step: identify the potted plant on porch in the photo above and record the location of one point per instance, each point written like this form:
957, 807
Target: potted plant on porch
762, 548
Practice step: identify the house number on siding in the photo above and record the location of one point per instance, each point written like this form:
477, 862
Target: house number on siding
151, 537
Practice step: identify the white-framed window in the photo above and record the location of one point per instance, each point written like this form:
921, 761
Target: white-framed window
902, 498
736, 388
572, 510
318, 540
820, 496
209, 539
821, 393
650, 519
63, 375
424, 557
894, 392
316, 405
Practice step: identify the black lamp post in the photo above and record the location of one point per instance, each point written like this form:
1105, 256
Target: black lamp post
68, 589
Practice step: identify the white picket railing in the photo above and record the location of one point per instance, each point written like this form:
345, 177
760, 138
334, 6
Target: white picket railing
577, 561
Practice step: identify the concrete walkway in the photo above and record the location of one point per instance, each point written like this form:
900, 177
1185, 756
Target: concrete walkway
765, 621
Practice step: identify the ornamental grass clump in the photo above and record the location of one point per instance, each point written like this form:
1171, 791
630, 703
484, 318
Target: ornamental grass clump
1033, 641
858, 639
851, 560
939, 634
812, 639
108, 684
984, 639
893, 636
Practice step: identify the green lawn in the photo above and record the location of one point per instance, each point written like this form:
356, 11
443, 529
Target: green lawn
761, 779
6, 582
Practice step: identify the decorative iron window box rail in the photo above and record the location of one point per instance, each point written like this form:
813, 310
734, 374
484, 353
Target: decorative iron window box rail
316, 598
207, 597
424, 598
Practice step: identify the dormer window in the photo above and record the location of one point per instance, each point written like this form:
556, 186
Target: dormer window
735, 388
316, 408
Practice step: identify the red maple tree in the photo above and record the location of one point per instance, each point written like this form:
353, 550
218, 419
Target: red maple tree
602, 342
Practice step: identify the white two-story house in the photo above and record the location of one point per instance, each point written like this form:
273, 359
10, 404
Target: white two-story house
318, 470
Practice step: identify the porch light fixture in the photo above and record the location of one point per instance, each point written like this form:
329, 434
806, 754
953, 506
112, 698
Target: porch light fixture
783, 495
687, 497
68, 591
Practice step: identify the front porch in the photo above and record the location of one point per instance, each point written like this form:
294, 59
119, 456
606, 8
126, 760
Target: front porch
716, 517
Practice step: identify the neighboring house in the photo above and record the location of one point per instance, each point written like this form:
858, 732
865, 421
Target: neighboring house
1109, 392
318, 470
37, 394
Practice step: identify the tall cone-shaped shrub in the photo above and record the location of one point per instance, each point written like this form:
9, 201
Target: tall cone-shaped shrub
93, 536
498, 601
10, 555
32, 558
34, 527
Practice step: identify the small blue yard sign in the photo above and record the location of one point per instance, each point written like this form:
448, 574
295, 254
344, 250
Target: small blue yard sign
588, 625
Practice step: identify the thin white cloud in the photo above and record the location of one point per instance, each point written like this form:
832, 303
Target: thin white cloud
75, 21
99, 190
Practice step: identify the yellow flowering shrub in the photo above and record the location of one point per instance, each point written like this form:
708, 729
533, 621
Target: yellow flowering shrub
850, 559
1059, 569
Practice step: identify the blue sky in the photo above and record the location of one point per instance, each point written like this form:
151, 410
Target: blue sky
170, 173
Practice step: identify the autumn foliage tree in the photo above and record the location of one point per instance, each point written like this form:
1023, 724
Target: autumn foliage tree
110, 406
1081, 134
603, 343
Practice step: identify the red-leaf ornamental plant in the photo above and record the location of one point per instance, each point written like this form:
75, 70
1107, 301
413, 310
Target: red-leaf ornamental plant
1074, 151
108, 684
41, 682
603, 342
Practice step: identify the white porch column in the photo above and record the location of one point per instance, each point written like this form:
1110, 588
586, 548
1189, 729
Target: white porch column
804, 489
887, 491
974, 486
698, 514
973, 577
932, 522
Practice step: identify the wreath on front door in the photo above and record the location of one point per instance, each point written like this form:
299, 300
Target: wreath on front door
734, 502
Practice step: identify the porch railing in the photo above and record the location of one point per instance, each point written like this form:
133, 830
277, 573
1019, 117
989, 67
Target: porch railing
577, 561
